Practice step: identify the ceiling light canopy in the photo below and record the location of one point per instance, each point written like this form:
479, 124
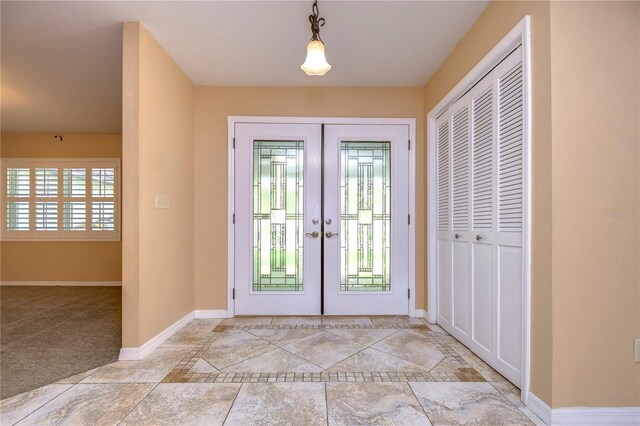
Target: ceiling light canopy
316, 63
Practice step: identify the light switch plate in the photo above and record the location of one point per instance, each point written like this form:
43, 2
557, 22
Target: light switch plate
637, 350
162, 201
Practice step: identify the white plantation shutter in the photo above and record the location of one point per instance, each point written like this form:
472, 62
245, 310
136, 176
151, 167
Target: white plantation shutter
60, 199
460, 195
443, 176
510, 150
482, 181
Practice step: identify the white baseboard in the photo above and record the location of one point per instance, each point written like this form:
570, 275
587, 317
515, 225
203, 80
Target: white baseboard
596, 416
583, 415
63, 283
420, 313
220, 313
538, 407
136, 353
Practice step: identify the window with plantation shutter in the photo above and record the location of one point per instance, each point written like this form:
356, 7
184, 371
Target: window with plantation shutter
61, 199
510, 150
443, 176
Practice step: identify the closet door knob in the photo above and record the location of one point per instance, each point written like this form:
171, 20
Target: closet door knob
314, 234
457, 236
478, 237
330, 234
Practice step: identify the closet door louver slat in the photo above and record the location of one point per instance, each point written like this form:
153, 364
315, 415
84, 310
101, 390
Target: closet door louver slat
460, 199
443, 177
483, 161
510, 150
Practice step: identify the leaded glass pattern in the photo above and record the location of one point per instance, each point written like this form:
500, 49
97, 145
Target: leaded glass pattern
278, 207
365, 216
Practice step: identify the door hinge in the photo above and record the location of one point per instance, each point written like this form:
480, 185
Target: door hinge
234, 218
408, 219
233, 293
409, 293
234, 143
409, 144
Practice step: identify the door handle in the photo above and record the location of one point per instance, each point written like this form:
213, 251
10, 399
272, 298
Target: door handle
330, 234
457, 236
478, 237
314, 234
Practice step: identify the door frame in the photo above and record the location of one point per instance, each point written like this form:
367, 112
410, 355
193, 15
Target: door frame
233, 120
519, 35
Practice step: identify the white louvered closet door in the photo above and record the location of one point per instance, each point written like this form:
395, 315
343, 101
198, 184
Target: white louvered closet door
483, 292
460, 249
443, 184
480, 183
509, 215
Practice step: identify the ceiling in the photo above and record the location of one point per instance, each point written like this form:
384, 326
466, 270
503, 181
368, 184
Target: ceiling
62, 61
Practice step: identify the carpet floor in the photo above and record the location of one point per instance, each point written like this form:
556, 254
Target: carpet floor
51, 333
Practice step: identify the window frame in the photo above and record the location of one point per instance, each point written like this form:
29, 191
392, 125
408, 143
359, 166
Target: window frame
60, 234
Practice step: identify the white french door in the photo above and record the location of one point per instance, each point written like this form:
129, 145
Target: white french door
277, 219
366, 207
321, 223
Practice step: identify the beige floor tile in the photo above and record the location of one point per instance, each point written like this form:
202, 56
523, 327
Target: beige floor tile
212, 322
284, 336
17, 407
324, 349
202, 367
90, 404
346, 319
188, 336
231, 348
151, 369
371, 360
373, 404
185, 404
306, 320
411, 347
389, 320
466, 403
509, 391
279, 404
275, 361
247, 321
363, 336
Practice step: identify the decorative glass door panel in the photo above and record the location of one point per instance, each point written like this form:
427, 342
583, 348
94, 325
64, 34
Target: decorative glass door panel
278, 208
365, 215
277, 201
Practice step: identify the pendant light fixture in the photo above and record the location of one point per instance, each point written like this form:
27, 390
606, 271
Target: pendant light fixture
316, 63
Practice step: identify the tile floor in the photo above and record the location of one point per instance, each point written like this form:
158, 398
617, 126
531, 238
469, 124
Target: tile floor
285, 370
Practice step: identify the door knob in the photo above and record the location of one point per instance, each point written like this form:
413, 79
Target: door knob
330, 234
315, 221
328, 221
457, 236
314, 234
478, 237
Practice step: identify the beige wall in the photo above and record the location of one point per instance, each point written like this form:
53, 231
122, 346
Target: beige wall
61, 260
158, 245
595, 75
212, 106
494, 23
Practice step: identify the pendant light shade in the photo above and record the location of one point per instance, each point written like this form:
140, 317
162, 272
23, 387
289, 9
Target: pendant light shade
316, 62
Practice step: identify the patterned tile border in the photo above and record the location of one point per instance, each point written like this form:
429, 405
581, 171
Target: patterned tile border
394, 326
453, 368
184, 376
